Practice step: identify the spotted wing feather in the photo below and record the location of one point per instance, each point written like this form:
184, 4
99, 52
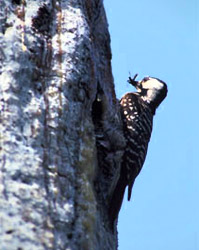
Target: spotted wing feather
137, 125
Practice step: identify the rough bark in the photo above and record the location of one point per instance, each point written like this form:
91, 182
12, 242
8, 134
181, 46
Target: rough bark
60, 130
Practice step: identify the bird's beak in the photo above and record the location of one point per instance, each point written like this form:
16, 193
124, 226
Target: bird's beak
133, 82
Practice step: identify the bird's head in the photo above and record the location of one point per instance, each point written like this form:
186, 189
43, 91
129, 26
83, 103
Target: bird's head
151, 90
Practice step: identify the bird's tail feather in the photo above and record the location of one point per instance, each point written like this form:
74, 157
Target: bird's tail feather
130, 186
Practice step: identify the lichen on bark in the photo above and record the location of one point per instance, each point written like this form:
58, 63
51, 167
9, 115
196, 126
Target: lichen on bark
59, 160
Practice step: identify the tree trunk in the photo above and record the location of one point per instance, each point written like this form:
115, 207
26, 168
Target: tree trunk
61, 139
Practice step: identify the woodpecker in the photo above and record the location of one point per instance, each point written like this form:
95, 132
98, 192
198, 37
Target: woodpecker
137, 111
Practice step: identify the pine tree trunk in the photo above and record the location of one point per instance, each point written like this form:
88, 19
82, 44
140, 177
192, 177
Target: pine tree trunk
61, 139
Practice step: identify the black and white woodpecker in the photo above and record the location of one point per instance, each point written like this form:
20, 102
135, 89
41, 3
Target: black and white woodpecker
137, 111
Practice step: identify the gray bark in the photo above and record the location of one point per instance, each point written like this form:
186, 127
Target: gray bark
61, 139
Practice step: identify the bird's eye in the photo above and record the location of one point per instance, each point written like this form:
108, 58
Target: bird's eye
146, 78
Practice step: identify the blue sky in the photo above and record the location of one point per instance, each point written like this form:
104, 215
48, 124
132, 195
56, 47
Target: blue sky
161, 39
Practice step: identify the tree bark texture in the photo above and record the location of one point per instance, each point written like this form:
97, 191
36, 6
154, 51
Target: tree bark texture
61, 138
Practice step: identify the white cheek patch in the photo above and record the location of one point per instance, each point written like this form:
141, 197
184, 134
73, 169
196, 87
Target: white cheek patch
153, 84
150, 93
